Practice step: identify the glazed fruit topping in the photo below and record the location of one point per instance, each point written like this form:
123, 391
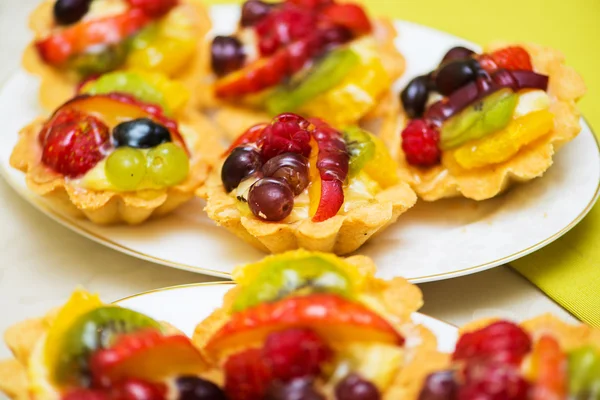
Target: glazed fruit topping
154, 8
253, 11
67, 12
549, 364
420, 143
501, 340
584, 372
330, 316
141, 133
291, 34
194, 388
73, 142
95, 330
146, 355
57, 48
240, 164
468, 81
439, 386
271, 199
288, 133
137, 389
295, 353
353, 387
290, 168
246, 375
512, 58
299, 388
493, 380
227, 55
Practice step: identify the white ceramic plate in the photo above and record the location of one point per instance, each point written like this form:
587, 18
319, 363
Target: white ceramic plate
435, 241
185, 306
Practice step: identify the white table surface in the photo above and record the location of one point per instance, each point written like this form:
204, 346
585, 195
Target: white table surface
42, 262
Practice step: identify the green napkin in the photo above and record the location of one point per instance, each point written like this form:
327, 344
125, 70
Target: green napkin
568, 270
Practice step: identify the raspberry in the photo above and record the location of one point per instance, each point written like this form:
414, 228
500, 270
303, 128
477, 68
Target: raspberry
420, 144
73, 142
493, 381
500, 341
287, 133
284, 26
246, 375
137, 389
295, 353
153, 8
514, 58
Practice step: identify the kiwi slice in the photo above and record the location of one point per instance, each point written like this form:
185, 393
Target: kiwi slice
482, 118
100, 59
95, 330
361, 149
324, 75
282, 278
127, 82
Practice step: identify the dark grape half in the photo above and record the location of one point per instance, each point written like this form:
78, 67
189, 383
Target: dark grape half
68, 12
271, 199
241, 163
227, 55
414, 96
289, 167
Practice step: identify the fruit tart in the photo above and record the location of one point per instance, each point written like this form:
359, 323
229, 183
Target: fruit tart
480, 122
80, 39
309, 325
87, 350
541, 359
112, 157
300, 183
320, 58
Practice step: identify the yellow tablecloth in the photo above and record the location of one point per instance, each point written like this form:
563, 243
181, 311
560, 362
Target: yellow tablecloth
569, 269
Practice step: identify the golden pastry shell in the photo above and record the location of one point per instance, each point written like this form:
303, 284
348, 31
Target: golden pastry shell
450, 180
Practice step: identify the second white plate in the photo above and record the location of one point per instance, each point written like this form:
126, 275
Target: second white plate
433, 241
185, 306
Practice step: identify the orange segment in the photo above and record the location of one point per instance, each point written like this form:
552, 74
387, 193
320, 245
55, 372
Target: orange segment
504, 144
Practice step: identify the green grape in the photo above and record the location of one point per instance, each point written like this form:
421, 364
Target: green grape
125, 168
168, 164
584, 372
361, 148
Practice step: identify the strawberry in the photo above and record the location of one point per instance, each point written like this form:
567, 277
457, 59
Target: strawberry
246, 375
137, 389
350, 16
513, 58
153, 8
250, 136
311, 4
73, 142
57, 48
330, 316
145, 355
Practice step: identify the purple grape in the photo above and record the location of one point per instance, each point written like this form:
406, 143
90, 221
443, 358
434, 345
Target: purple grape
194, 388
414, 96
457, 53
253, 11
241, 163
271, 199
227, 55
353, 387
289, 167
68, 12
439, 386
454, 75
297, 389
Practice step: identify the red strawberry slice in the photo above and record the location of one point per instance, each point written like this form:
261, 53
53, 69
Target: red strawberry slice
60, 46
513, 58
73, 142
145, 355
311, 4
331, 317
350, 16
250, 136
153, 8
